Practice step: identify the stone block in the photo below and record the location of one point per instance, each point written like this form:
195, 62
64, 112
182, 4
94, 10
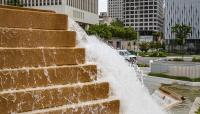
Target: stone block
13, 18
40, 98
39, 57
46, 76
17, 37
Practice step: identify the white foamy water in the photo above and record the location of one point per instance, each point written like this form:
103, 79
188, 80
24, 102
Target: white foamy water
134, 98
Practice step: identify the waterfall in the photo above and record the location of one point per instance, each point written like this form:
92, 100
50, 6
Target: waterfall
134, 97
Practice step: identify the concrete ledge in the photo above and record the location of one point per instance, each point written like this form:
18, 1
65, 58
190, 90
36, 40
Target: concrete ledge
46, 76
40, 57
28, 100
13, 18
22, 8
170, 81
16, 37
195, 106
104, 106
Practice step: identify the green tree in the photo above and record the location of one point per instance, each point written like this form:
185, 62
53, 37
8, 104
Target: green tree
130, 34
155, 45
14, 3
117, 23
144, 46
116, 29
157, 36
181, 33
101, 30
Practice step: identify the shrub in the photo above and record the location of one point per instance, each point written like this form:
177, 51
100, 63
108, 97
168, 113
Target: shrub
158, 54
144, 46
142, 65
196, 59
178, 59
143, 54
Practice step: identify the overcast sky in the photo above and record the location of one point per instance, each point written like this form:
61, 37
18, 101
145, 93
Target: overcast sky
103, 5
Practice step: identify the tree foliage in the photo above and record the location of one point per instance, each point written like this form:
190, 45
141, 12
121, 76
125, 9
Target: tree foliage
116, 29
144, 46
181, 33
117, 23
101, 30
156, 45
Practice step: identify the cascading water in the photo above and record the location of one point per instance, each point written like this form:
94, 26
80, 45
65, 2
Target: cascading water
134, 98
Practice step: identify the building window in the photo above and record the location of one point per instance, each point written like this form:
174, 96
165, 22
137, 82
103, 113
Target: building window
40, 2
48, 2
33, 3
36, 2
60, 2
44, 2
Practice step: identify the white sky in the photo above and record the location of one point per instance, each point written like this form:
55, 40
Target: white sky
103, 5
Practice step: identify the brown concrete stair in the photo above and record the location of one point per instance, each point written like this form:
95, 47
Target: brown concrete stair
41, 70
105, 106
25, 9
13, 18
39, 98
20, 37
35, 57
46, 76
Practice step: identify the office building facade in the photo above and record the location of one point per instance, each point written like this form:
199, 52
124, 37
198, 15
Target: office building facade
183, 12
82, 11
116, 9
145, 16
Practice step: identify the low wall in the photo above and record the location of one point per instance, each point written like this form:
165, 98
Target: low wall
188, 71
191, 70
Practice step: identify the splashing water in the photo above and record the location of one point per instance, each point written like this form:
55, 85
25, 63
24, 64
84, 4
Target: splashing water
134, 98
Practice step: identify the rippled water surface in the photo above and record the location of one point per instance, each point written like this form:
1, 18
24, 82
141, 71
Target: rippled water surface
190, 93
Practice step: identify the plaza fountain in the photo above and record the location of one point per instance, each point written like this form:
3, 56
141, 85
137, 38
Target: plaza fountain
43, 72
134, 97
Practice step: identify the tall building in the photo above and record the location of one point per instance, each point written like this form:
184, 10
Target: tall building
82, 11
104, 18
183, 12
115, 9
145, 16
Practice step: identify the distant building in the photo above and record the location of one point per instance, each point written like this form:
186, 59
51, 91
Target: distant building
115, 9
183, 12
83, 11
145, 16
103, 14
104, 18
130, 45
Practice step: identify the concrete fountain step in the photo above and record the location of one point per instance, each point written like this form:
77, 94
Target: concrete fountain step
26, 9
103, 106
46, 76
53, 96
13, 18
20, 37
39, 57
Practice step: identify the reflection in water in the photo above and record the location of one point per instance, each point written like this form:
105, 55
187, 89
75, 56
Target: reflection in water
190, 93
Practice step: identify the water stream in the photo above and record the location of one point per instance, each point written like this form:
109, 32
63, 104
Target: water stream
134, 97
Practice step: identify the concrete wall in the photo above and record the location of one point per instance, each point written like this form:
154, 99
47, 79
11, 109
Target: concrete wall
188, 71
76, 14
125, 44
175, 69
